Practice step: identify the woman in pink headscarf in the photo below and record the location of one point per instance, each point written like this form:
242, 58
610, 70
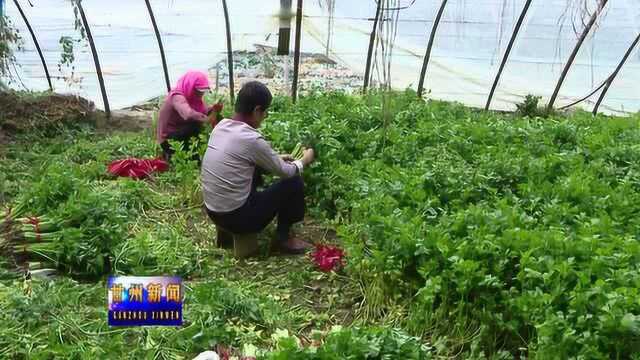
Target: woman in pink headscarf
184, 112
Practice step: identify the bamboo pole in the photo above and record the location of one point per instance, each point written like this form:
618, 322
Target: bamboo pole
159, 38
372, 39
296, 54
615, 74
516, 30
96, 61
427, 54
574, 53
35, 41
229, 51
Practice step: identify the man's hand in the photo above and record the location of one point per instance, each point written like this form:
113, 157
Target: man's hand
308, 156
287, 157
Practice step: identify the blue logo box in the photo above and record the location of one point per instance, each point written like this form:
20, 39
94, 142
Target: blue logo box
145, 300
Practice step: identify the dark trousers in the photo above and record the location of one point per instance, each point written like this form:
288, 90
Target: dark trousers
185, 134
284, 199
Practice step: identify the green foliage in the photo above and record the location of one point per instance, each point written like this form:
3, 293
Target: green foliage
522, 231
68, 43
530, 108
186, 170
161, 249
356, 343
492, 236
67, 57
95, 216
94, 211
66, 319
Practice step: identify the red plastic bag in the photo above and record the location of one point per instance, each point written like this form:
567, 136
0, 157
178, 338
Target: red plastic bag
327, 257
137, 168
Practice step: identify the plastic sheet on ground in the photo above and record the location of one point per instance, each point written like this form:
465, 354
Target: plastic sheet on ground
137, 168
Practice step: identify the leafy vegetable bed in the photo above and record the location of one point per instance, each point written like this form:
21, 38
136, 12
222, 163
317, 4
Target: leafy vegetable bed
477, 235
507, 235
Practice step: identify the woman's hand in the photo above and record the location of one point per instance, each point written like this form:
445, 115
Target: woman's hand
214, 115
202, 118
216, 108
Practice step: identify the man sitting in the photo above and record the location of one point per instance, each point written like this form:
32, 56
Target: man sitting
230, 174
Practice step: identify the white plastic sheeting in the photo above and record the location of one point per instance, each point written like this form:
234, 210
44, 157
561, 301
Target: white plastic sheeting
469, 45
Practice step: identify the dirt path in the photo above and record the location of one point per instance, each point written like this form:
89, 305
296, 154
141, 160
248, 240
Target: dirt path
324, 299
